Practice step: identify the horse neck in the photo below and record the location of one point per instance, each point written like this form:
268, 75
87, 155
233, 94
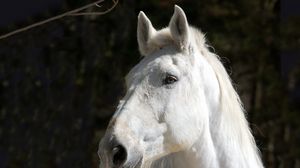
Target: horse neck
233, 142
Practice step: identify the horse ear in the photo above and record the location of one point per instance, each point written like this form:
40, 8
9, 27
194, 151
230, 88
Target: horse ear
145, 31
179, 28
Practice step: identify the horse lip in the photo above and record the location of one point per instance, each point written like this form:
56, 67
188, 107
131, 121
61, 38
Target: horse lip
137, 163
133, 162
129, 164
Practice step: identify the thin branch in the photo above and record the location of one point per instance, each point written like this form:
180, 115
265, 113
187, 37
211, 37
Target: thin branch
96, 13
69, 13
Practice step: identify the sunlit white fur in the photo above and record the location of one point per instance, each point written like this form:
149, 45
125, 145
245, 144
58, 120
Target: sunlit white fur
197, 122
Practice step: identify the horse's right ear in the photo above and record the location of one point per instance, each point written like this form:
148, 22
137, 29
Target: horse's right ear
145, 31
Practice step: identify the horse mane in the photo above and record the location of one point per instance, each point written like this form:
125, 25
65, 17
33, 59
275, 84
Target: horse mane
230, 120
233, 141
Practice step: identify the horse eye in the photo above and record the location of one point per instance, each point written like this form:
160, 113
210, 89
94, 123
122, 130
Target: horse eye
170, 79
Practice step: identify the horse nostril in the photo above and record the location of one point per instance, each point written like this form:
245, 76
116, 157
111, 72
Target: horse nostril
119, 155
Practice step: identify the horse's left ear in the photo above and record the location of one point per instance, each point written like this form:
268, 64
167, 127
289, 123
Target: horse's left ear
179, 28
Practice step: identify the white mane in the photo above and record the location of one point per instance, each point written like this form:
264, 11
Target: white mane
232, 124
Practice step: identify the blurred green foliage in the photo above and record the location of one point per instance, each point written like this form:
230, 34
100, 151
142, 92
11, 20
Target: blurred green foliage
60, 83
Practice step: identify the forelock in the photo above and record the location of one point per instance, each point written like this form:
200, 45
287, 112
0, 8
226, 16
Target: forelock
164, 38
161, 38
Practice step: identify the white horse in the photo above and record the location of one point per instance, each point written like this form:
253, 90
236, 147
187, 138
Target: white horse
180, 109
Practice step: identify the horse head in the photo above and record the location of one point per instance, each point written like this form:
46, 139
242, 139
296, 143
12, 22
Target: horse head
179, 104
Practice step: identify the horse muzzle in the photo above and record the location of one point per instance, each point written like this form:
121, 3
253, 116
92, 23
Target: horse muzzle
114, 154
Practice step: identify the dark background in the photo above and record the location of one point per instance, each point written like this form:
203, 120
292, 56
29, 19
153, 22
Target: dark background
60, 82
